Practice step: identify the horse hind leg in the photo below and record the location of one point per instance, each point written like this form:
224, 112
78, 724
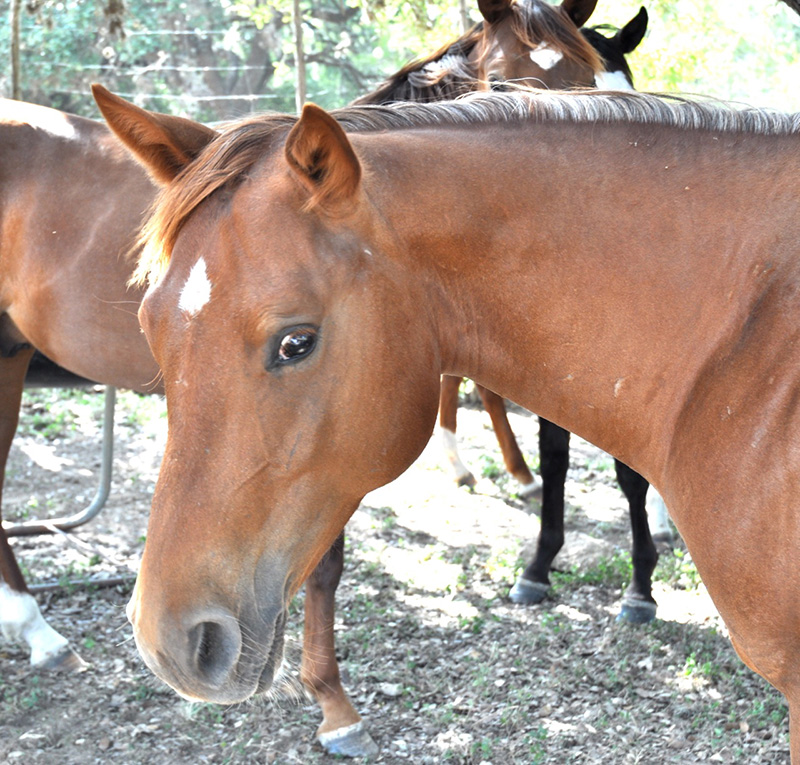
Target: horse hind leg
658, 520
533, 584
512, 454
20, 618
342, 731
638, 604
448, 408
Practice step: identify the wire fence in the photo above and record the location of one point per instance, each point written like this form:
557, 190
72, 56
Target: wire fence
208, 73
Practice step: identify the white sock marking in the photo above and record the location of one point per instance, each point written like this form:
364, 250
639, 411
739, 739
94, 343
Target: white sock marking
22, 621
451, 450
657, 514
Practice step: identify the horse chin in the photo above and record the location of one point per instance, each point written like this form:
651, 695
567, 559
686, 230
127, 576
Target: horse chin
274, 665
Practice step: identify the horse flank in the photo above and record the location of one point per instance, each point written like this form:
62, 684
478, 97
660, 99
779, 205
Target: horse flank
228, 159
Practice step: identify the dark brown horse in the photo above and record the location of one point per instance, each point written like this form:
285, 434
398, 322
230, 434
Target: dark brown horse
297, 277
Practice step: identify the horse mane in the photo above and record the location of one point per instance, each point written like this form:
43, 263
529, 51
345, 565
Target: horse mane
449, 73
227, 161
445, 74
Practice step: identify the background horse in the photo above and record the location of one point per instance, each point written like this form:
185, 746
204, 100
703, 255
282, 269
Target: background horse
56, 258
325, 278
454, 71
65, 237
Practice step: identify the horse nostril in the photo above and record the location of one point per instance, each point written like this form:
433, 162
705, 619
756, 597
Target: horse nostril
214, 646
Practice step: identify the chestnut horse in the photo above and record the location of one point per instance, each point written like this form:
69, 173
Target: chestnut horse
298, 281
52, 253
65, 234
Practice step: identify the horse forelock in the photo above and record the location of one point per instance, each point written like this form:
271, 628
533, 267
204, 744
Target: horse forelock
222, 164
228, 159
538, 23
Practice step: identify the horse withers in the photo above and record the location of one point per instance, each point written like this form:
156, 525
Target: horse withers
321, 280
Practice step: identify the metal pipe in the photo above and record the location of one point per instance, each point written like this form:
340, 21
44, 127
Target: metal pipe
29, 528
107, 581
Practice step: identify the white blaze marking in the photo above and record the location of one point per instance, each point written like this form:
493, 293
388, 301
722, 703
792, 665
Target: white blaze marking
197, 290
22, 621
545, 57
451, 450
612, 81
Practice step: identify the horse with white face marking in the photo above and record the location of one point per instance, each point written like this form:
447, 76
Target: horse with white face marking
703, 329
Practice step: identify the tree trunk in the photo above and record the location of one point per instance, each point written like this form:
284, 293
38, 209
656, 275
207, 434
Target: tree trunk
16, 89
300, 61
465, 22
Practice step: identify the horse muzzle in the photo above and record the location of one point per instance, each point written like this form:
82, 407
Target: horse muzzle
210, 654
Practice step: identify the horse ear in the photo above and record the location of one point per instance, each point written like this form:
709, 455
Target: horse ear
579, 10
494, 10
632, 33
163, 144
321, 156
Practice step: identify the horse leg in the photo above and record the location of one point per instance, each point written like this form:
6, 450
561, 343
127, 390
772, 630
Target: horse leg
658, 519
638, 605
20, 618
512, 455
534, 582
342, 731
448, 406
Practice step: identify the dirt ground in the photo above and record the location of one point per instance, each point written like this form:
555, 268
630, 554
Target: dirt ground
440, 664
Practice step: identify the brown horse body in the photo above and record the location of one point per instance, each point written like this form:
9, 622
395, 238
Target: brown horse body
669, 340
66, 231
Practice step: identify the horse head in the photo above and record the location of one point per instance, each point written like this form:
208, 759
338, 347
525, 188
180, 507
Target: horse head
274, 326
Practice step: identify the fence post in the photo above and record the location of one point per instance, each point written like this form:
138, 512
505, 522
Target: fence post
16, 90
300, 59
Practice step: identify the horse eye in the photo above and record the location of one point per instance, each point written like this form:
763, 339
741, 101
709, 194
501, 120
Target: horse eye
496, 82
296, 344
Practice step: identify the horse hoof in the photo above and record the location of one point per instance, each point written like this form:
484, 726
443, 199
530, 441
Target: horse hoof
466, 480
527, 592
637, 612
65, 660
532, 490
352, 741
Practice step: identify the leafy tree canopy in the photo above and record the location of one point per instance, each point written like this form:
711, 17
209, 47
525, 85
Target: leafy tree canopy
213, 59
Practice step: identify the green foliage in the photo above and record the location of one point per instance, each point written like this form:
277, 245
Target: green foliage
214, 60
615, 571
746, 50
677, 569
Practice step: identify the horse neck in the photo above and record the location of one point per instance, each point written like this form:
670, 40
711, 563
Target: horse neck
584, 277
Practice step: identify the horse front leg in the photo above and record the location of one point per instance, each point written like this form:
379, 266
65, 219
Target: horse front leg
342, 731
638, 604
20, 618
448, 409
512, 454
534, 582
